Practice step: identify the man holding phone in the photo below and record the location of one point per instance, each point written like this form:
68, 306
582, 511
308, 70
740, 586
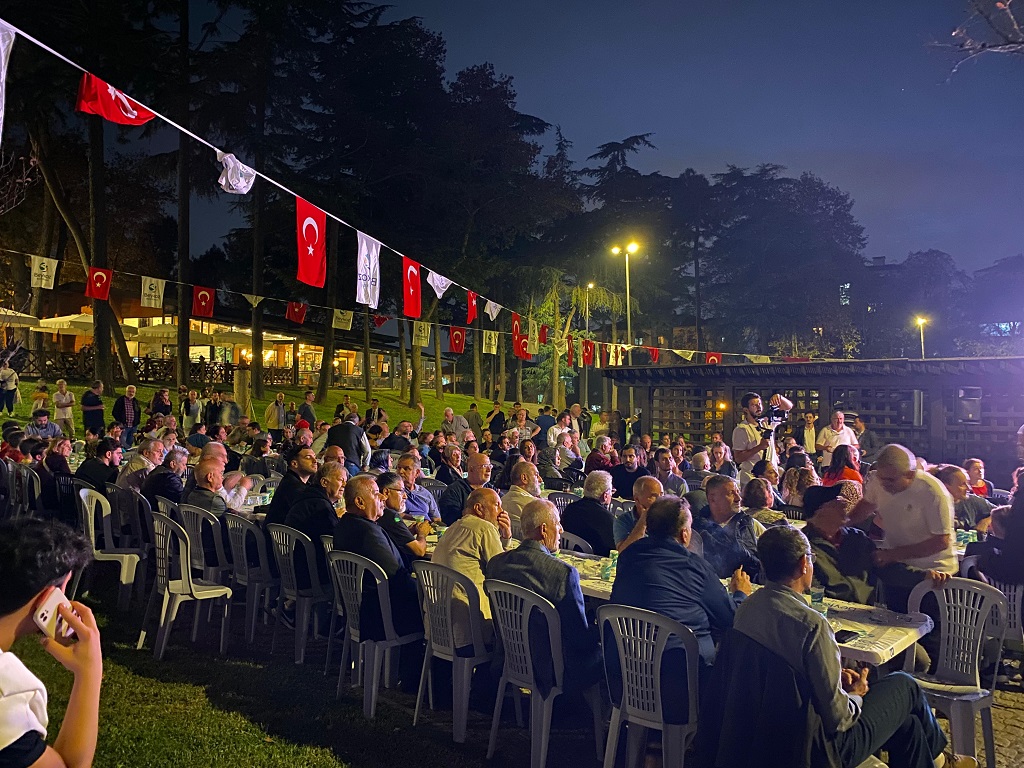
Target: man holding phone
36, 561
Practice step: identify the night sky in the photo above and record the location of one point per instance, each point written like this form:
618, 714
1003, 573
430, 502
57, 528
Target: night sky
855, 92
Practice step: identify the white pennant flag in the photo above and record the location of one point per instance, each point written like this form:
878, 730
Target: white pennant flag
343, 319
7, 36
237, 177
533, 342
153, 292
438, 282
421, 334
492, 309
490, 342
368, 271
44, 270
252, 298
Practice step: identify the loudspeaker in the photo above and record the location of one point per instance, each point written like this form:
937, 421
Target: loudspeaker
968, 405
910, 410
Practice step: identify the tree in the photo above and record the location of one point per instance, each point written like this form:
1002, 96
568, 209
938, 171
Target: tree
992, 26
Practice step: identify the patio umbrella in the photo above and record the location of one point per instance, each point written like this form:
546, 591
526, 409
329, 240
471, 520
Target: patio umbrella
71, 325
167, 333
232, 338
14, 319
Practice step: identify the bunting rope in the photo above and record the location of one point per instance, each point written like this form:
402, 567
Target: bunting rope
492, 308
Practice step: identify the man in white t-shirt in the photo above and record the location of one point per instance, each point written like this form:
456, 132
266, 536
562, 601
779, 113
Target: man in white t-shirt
35, 558
834, 435
748, 445
914, 509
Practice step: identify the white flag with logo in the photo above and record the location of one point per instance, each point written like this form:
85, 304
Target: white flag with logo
44, 270
343, 319
7, 36
237, 177
153, 292
368, 271
492, 308
490, 342
421, 334
533, 342
439, 283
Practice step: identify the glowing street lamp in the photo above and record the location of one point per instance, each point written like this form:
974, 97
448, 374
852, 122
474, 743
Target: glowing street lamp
616, 250
921, 322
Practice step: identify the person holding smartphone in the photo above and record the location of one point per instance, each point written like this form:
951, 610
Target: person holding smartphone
36, 561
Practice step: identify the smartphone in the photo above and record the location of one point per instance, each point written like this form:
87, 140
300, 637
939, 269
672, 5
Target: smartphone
49, 620
846, 635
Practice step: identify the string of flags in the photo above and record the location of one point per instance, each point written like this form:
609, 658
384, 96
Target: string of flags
97, 97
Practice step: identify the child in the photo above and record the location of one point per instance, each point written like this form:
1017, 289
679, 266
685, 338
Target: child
40, 397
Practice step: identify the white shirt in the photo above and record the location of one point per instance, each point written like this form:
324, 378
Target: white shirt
925, 509
832, 439
554, 433
22, 701
512, 502
745, 437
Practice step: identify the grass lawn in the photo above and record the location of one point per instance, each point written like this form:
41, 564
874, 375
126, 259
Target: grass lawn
197, 708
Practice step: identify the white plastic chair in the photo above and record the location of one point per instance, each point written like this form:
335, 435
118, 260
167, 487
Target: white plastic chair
640, 638
351, 570
171, 536
511, 608
970, 612
255, 577
570, 542
561, 499
439, 586
268, 485
128, 560
166, 507
338, 607
286, 541
1014, 594
257, 481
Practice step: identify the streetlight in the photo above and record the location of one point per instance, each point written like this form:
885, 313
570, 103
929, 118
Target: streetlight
921, 322
616, 250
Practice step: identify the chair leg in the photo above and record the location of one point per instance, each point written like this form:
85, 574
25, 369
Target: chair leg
150, 607
278, 607
517, 697
346, 645
990, 739
673, 745
540, 729
612, 746
330, 638
593, 697
303, 608
462, 681
636, 745
166, 624
252, 603
225, 623
140, 578
961, 728
127, 578
499, 700
391, 656
424, 676
374, 660
197, 616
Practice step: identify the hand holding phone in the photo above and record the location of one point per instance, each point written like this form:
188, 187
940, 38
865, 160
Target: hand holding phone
49, 620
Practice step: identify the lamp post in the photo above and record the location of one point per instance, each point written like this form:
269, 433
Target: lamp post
921, 322
616, 250
586, 327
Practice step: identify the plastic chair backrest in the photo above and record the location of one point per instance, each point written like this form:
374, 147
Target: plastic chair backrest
270, 484
276, 476
144, 514
437, 586
327, 542
238, 530
192, 520
573, 543
640, 639
166, 507
257, 480
969, 612
286, 540
30, 489
351, 570
437, 492
561, 500
1014, 594
126, 512
67, 495
431, 483
91, 500
557, 484
792, 512
511, 607
171, 537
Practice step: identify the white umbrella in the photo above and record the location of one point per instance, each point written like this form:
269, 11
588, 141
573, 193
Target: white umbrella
232, 338
69, 323
16, 319
165, 333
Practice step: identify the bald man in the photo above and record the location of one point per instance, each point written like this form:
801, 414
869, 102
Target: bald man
478, 475
631, 525
525, 488
913, 508
234, 487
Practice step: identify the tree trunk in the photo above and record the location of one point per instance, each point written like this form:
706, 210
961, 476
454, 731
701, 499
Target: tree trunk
416, 364
519, 379
181, 368
556, 329
330, 294
258, 225
696, 290
438, 362
403, 354
499, 393
45, 248
98, 241
478, 343
367, 384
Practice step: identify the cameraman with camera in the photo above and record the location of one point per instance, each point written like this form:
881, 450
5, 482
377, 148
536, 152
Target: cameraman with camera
754, 438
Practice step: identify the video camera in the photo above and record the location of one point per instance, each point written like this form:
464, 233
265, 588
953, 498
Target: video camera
772, 418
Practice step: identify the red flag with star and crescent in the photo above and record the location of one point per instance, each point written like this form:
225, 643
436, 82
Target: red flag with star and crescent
98, 284
543, 334
296, 312
588, 352
96, 97
379, 320
311, 231
457, 340
202, 301
470, 307
713, 358
411, 287
518, 348
655, 353
521, 347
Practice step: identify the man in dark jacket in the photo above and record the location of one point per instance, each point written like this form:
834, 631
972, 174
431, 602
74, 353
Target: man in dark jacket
165, 480
351, 438
314, 513
128, 411
302, 465
590, 518
453, 500
101, 469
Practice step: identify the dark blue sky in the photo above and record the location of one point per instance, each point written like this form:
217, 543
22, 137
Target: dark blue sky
854, 92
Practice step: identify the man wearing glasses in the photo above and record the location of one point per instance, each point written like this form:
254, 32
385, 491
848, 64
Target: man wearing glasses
409, 538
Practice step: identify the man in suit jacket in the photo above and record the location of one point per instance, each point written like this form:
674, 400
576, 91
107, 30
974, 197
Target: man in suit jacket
374, 414
532, 565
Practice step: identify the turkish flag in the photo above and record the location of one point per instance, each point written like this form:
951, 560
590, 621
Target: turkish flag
543, 334
713, 358
588, 352
655, 353
296, 312
518, 349
98, 284
97, 98
456, 340
569, 350
311, 230
470, 307
521, 347
202, 301
379, 320
411, 286
796, 359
